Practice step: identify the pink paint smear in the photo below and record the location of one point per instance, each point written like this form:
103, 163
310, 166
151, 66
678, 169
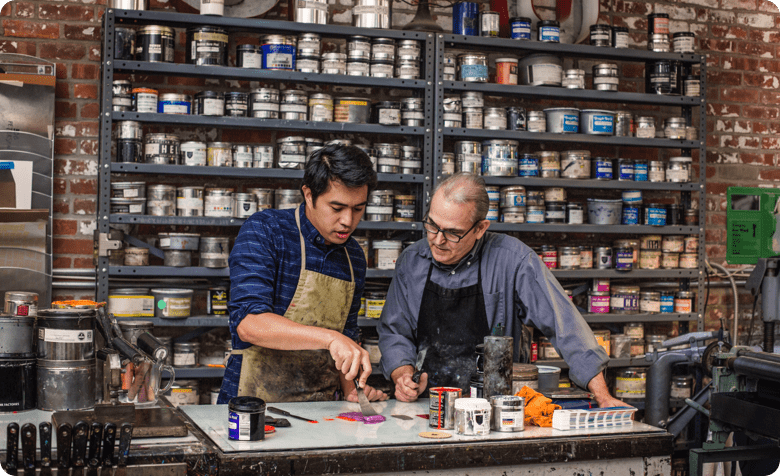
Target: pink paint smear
357, 416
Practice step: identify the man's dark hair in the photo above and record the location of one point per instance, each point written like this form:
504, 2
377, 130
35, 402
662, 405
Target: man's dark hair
344, 163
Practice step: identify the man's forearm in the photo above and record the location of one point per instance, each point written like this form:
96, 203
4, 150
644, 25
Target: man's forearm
277, 332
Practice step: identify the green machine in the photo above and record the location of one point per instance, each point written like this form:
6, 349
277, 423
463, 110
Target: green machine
751, 224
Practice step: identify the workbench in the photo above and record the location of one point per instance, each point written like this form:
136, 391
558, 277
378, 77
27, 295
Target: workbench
334, 445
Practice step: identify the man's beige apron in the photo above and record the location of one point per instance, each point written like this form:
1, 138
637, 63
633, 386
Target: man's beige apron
301, 375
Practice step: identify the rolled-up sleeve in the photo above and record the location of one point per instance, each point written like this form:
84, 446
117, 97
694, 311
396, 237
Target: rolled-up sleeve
550, 310
398, 323
253, 265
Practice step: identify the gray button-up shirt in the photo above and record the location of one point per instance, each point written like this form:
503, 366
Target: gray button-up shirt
518, 289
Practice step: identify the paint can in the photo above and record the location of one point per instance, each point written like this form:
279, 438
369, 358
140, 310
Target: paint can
214, 251
472, 416
624, 299
574, 79
189, 201
535, 121
606, 77
601, 35
20, 303
174, 103
129, 142
352, 110
465, 17
540, 70
249, 56
650, 302
184, 392
124, 43
218, 202
548, 31
145, 100
372, 14
386, 253
499, 158
243, 156
161, 149
597, 122
264, 103
441, 409
122, 99
630, 383
216, 301
172, 303
130, 206
488, 24
244, 205
219, 154
473, 67
312, 11
22, 394
292, 152
155, 44
207, 45
161, 200
494, 118
246, 417
278, 52
193, 153
236, 104
520, 28
16, 341
263, 156
562, 120
507, 413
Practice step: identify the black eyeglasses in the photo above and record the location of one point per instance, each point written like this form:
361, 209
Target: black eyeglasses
434, 229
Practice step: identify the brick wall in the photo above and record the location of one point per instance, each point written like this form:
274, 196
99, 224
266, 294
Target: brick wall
739, 37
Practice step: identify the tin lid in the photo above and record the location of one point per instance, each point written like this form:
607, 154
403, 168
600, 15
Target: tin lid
129, 291
358, 38
600, 26
387, 105
208, 94
549, 23
155, 29
507, 60
621, 29
682, 34
520, 19
21, 296
127, 325
382, 41
252, 48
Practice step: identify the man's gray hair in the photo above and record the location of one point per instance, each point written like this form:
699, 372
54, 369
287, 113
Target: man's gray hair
463, 188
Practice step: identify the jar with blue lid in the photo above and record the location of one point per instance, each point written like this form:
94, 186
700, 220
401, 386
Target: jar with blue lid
626, 169
549, 31
521, 28
602, 168
640, 170
655, 214
667, 301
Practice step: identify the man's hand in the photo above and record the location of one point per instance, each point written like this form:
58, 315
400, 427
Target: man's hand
405, 388
598, 386
350, 357
373, 394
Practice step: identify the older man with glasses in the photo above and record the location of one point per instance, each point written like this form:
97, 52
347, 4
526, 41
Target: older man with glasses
450, 290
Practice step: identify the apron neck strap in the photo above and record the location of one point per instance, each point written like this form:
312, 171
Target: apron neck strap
479, 267
303, 248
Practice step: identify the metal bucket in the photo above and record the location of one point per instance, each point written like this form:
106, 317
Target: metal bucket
179, 241
21, 376
66, 384
16, 338
21, 303
66, 334
172, 303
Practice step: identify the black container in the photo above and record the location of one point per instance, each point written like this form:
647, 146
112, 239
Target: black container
548, 31
129, 150
246, 418
249, 56
387, 113
601, 35
20, 389
620, 36
674, 215
236, 104
515, 119
657, 24
124, 43
208, 103
155, 43
207, 46
216, 302
658, 77
477, 385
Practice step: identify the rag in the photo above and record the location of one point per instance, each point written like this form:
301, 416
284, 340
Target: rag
538, 408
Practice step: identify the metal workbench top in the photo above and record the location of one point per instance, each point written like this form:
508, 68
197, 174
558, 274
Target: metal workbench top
333, 433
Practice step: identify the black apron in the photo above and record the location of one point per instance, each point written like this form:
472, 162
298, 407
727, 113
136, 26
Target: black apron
450, 324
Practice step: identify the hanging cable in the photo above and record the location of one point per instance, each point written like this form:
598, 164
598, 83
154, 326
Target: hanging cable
735, 328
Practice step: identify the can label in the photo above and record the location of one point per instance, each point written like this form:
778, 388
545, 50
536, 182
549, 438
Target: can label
571, 123
602, 124
278, 57
630, 215
65, 336
216, 304
656, 216
181, 359
174, 307
146, 102
173, 107
626, 172
598, 304
521, 30
549, 33
640, 172
473, 72
667, 303
604, 169
620, 39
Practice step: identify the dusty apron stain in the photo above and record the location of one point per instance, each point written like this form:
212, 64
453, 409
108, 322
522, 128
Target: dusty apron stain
301, 375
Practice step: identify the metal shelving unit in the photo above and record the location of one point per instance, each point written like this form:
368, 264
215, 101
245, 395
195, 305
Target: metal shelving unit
618, 100
199, 272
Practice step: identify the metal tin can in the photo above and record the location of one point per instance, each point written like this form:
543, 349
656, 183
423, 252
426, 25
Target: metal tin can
193, 153
625, 169
623, 259
506, 71
670, 260
244, 205
473, 67
219, 154
294, 105
598, 302
161, 148
512, 196
214, 250
209, 103
516, 118
683, 302
174, 103
155, 44
372, 14
465, 17
387, 113
536, 121
597, 122
601, 35
624, 299
624, 124
249, 56
550, 256
656, 171
145, 100
602, 168
488, 24
534, 214
586, 256
520, 28
499, 158
540, 70
649, 302
678, 169
574, 79
207, 45
186, 354
691, 244
684, 42
658, 23
386, 252
236, 104
405, 206
575, 164
555, 212
189, 201
334, 63
321, 107
352, 110
292, 152
602, 257
218, 202
494, 118
645, 127
658, 77
691, 86
658, 43
569, 257
548, 31
655, 214
620, 37
640, 170
689, 260
513, 214
278, 52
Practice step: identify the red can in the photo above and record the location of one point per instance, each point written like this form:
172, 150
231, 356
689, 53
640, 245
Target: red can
534, 351
506, 71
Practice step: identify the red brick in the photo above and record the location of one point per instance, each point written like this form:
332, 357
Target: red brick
717, 109
718, 45
27, 29
62, 90
61, 70
61, 205
82, 32
64, 146
59, 263
66, 12
755, 49
84, 71
90, 111
715, 235
24, 10
770, 97
72, 246
73, 166
94, 54
62, 51
252, 136
89, 147
724, 31
85, 91
60, 186
184, 81
723, 77
633, 70
758, 112
20, 47
83, 186
763, 159
740, 63
710, 172
770, 65
716, 251
717, 218
771, 175
65, 227
761, 80
6, 10
739, 95
84, 263
84, 206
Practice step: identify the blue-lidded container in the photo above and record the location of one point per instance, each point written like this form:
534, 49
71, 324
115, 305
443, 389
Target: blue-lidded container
602, 168
521, 28
632, 197
630, 214
529, 165
667, 301
549, 31
626, 169
655, 214
640, 170
465, 18
246, 419
624, 259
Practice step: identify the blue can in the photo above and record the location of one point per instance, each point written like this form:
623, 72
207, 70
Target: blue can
640, 170
624, 259
549, 31
630, 214
278, 56
667, 301
626, 169
521, 28
602, 168
465, 19
655, 214
529, 165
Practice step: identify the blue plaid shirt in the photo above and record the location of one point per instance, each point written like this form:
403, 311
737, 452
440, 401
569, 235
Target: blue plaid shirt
265, 264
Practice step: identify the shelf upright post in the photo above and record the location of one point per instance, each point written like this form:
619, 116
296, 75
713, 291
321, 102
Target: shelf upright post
104, 150
702, 181
438, 120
